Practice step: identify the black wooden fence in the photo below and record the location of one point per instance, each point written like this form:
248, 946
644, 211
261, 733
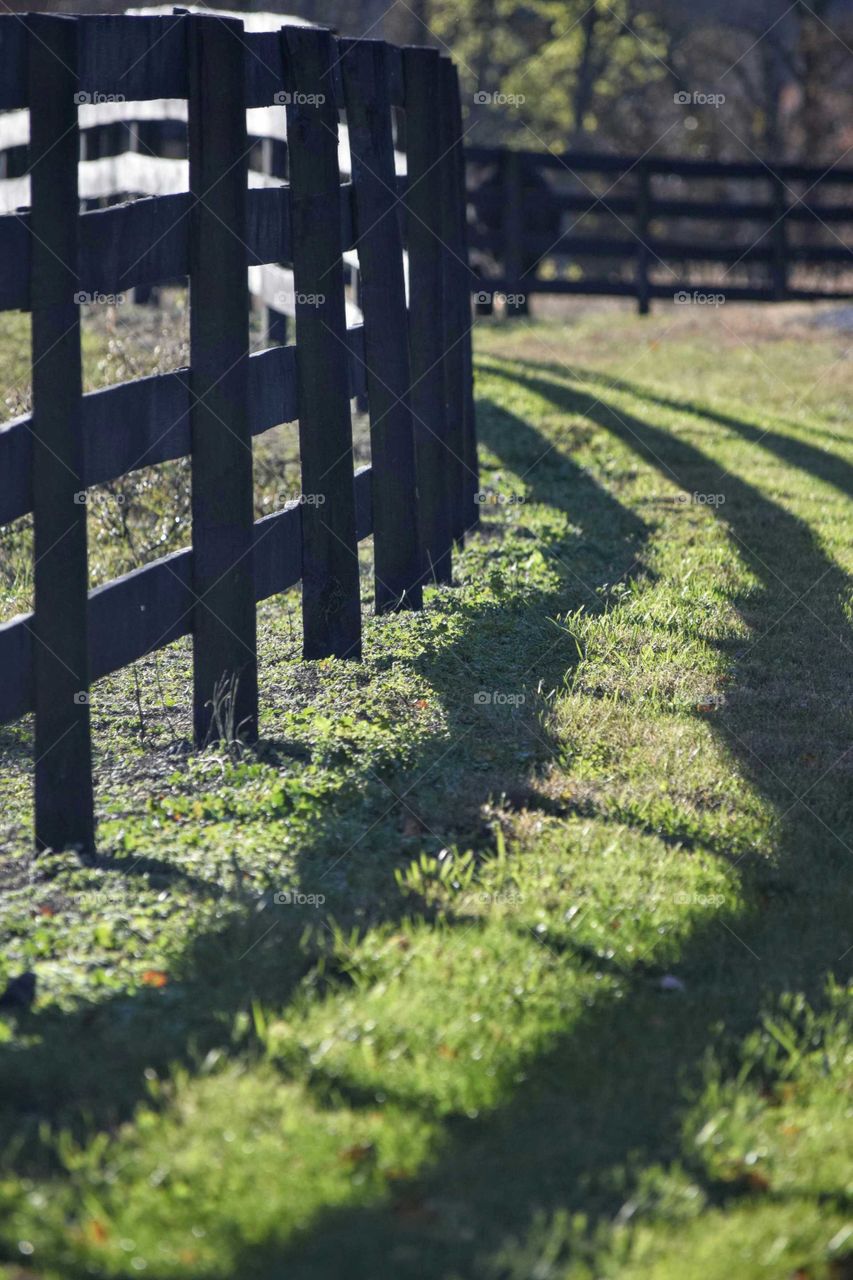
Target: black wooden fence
626, 226
417, 496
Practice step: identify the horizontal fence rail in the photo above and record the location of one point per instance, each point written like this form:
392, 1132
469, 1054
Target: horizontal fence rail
57, 253
138, 148
626, 226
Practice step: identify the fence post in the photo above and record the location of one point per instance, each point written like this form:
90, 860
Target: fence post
331, 609
471, 474
64, 807
382, 293
224, 624
456, 299
643, 217
512, 229
426, 306
779, 266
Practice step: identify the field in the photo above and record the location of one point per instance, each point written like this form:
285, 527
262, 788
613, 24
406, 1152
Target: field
521, 949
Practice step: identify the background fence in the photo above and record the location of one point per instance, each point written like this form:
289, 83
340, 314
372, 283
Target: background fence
413, 365
627, 226
578, 223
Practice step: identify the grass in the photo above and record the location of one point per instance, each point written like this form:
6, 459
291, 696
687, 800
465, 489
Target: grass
551, 984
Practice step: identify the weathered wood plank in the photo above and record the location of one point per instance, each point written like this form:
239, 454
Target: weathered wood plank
140, 612
397, 555
135, 424
138, 58
144, 422
139, 243
272, 388
426, 307
331, 609
268, 225
147, 609
457, 304
145, 242
224, 625
268, 231
471, 469
14, 89
264, 68
64, 810
266, 71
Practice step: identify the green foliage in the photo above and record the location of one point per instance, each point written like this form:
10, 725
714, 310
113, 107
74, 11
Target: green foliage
566, 65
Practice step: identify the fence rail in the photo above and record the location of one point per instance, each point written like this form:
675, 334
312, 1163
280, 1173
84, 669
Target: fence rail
529, 207
416, 498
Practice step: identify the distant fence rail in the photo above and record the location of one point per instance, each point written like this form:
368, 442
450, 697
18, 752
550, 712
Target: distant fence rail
592, 223
413, 363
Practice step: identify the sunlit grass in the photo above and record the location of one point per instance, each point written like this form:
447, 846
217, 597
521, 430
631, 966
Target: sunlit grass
546, 983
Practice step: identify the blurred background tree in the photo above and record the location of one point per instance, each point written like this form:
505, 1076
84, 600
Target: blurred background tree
606, 74
603, 74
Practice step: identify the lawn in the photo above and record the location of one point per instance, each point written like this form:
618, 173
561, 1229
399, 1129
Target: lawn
522, 949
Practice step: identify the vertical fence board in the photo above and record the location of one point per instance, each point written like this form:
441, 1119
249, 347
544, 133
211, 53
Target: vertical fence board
426, 304
224, 640
779, 238
642, 230
331, 611
471, 472
64, 811
513, 229
379, 242
456, 301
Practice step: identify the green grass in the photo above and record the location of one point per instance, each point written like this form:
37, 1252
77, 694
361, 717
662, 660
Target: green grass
562, 987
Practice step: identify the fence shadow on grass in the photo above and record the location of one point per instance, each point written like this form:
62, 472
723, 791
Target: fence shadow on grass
612, 1091
612, 1088
60, 1073
819, 462
569, 1124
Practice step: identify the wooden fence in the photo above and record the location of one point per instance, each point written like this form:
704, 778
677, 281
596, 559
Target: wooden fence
414, 365
139, 148
637, 215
